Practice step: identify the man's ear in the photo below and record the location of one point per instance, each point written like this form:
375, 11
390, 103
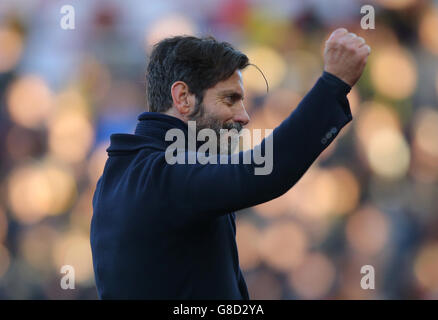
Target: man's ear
182, 99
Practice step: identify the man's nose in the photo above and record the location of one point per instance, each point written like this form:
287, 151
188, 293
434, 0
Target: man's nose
242, 117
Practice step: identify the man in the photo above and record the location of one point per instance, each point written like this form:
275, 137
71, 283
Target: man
167, 231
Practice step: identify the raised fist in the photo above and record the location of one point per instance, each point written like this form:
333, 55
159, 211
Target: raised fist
345, 55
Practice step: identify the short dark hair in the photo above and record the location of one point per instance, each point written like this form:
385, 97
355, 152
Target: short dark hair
200, 62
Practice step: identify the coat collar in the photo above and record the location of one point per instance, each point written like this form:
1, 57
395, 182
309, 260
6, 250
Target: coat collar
158, 123
150, 132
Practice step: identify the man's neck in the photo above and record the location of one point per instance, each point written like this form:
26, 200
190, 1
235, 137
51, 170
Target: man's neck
174, 113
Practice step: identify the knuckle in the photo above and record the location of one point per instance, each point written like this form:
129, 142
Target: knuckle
343, 43
340, 31
364, 54
333, 44
351, 47
367, 49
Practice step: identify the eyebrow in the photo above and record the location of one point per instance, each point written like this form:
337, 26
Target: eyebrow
231, 93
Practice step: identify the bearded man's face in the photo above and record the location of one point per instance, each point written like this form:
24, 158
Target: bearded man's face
223, 108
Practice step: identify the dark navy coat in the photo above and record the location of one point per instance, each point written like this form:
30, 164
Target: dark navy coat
167, 231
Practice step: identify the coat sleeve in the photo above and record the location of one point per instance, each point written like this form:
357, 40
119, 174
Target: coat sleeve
210, 190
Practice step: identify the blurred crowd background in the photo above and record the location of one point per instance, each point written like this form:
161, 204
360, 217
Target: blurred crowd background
370, 199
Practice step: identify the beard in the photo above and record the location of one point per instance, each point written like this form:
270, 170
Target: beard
227, 133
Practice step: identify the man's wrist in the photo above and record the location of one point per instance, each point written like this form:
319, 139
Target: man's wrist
336, 83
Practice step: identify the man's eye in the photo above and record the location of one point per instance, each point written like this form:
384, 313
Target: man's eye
229, 100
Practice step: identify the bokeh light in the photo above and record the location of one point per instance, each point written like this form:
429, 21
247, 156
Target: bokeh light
436, 83
304, 67
30, 101
396, 4
168, 26
94, 78
354, 99
5, 260
427, 30
426, 132
283, 245
263, 285
3, 225
39, 190
425, 146
82, 211
270, 62
278, 106
347, 190
74, 250
37, 245
388, 154
321, 193
274, 208
70, 131
351, 276
314, 277
97, 162
373, 118
22, 143
367, 231
393, 72
247, 239
378, 132
426, 266
11, 46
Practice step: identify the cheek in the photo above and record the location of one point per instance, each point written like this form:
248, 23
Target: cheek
219, 110
225, 114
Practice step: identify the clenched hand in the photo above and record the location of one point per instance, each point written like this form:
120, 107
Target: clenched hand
345, 55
